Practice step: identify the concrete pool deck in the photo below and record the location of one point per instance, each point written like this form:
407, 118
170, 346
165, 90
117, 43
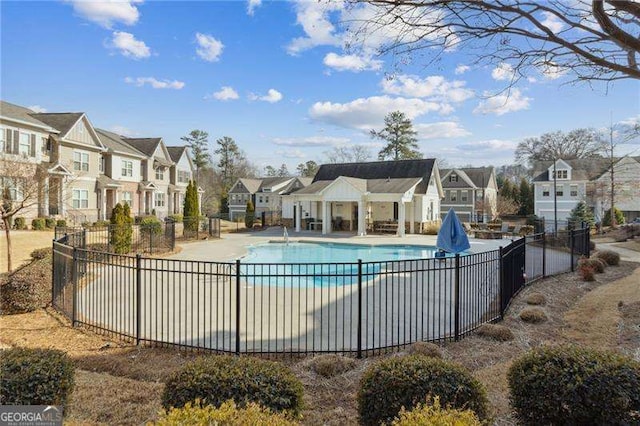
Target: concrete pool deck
234, 245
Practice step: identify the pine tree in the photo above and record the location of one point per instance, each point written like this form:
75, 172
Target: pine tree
400, 136
250, 216
190, 208
606, 220
582, 213
198, 143
526, 198
121, 230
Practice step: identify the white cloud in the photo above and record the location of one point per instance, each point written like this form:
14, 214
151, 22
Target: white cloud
441, 130
461, 69
552, 22
129, 46
552, 71
123, 131
108, 12
311, 141
209, 48
155, 83
252, 5
226, 93
368, 113
495, 145
272, 96
37, 109
503, 71
353, 63
435, 88
291, 153
503, 104
313, 16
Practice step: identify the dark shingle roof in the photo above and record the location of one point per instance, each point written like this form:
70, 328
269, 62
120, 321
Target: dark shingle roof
115, 142
581, 169
145, 145
480, 176
175, 152
270, 182
63, 121
391, 186
16, 112
377, 170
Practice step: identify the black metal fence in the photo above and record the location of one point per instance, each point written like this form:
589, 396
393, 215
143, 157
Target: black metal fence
150, 238
357, 308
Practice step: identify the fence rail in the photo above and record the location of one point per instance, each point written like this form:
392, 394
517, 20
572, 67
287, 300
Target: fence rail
359, 308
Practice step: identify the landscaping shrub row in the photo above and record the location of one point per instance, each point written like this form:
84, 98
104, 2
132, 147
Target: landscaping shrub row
29, 287
37, 224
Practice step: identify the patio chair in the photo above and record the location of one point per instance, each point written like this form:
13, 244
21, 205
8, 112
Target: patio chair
337, 223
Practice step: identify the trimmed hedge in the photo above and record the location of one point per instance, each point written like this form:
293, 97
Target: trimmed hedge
398, 382
150, 225
217, 379
176, 217
61, 223
610, 257
49, 222
227, 414
29, 287
435, 415
38, 224
19, 223
35, 377
598, 265
572, 385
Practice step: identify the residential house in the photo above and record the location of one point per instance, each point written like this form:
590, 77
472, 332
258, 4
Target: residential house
153, 189
120, 176
363, 197
265, 194
626, 173
472, 192
180, 174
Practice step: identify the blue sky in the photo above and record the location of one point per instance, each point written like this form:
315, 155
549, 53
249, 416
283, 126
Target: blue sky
275, 79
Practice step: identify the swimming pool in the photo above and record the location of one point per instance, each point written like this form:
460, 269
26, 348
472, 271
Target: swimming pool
306, 265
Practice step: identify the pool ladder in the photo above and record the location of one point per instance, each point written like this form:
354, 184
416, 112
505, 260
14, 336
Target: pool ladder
285, 235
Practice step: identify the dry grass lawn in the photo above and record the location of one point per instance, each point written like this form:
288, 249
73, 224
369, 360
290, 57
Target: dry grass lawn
23, 243
120, 384
630, 245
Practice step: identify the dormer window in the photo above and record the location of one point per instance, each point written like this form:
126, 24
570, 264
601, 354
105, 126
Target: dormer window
453, 177
561, 174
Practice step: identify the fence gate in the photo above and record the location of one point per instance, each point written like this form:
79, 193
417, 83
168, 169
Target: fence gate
512, 272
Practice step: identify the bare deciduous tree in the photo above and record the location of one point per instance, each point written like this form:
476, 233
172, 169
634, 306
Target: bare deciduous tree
348, 154
591, 39
579, 143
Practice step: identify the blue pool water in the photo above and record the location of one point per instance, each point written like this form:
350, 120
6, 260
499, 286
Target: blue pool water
322, 264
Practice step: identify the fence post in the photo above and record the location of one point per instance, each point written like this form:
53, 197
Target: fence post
74, 283
456, 326
359, 308
173, 235
571, 243
53, 272
544, 255
238, 306
501, 281
588, 241
84, 238
138, 296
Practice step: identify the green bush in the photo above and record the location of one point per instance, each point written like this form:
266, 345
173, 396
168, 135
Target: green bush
398, 382
608, 256
217, 379
250, 217
35, 377
19, 223
101, 223
176, 217
577, 386
29, 287
435, 415
227, 414
61, 223
38, 224
49, 222
606, 220
191, 207
150, 225
120, 231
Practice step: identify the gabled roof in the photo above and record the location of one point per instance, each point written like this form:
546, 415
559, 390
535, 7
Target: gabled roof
474, 177
63, 121
145, 145
175, 152
116, 143
17, 113
270, 182
391, 186
252, 185
378, 170
293, 185
582, 169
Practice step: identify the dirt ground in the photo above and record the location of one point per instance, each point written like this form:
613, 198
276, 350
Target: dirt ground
120, 384
23, 243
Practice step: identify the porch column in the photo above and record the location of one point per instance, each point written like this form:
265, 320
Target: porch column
412, 217
200, 201
63, 197
298, 207
326, 220
142, 202
169, 202
45, 197
401, 218
103, 196
361, 218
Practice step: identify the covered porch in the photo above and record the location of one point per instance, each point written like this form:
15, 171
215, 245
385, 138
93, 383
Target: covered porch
146, 201
107, 196
54, 195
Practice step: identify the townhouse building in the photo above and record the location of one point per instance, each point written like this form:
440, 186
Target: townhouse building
472, 192
179, 176
265, 194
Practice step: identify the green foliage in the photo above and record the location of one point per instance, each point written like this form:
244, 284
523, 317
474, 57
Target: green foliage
19, 223
49, 223
393, 383
216, 379
250, 216
191, 210
308, 169
61, 223
198, 143
525, 198
610, 257
29, 287
121, 230
572, 385
150, 226
101, 224
38, 224
436, 415
400, 136
606, 220
176, 217
35, 377
582, 213
228, 414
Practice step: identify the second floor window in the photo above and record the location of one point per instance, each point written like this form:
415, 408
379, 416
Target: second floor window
80, 161
559, 191
159, 173
127, 168
454, 196
574, 190
80, 199
25, 144
183, 176
101, 164
561, 174
3, 140
545, 191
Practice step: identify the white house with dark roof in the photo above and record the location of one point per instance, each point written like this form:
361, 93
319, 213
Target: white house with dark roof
381, 196
472, 192
265, 194
180, 174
